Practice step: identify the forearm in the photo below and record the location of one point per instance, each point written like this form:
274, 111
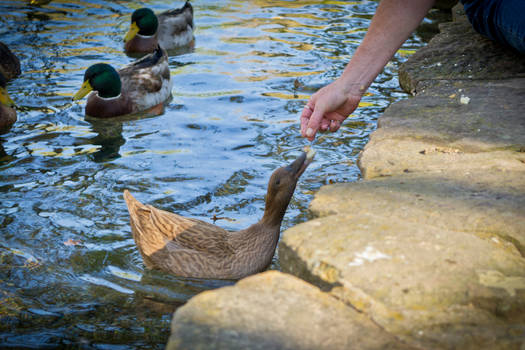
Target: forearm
391, 26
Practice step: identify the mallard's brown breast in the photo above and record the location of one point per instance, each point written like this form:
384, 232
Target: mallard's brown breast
141, 45
7, 118
108, 108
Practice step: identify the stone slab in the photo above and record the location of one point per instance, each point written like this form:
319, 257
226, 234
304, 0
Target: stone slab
458, 52
432, 287
273, 310
471, 203
435, 132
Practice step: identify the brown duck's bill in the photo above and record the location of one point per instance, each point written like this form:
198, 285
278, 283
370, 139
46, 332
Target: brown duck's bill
300, 164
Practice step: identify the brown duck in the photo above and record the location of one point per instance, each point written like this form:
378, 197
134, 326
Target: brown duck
193, 248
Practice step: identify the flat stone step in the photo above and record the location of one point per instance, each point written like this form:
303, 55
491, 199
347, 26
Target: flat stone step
435, 132
459, 53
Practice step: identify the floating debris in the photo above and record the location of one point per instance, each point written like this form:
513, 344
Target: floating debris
464, 100
72, 242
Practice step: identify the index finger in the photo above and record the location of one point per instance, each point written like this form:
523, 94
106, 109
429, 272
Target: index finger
314, 122
305, 117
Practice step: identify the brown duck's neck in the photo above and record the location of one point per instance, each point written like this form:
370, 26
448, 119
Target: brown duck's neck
273, 214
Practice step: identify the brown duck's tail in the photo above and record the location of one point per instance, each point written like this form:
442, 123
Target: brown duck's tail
132, 203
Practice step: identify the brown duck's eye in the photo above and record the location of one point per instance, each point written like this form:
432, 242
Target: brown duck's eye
278, 182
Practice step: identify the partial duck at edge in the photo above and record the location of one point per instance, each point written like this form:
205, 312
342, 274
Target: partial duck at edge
7, 113
9, 63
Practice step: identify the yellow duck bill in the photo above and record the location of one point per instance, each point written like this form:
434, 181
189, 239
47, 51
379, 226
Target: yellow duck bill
131, 32
5, 99
84, 90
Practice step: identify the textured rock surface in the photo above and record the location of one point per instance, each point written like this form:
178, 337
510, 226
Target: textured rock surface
487, 205
432, 286
460, 53
274, 311
435, 132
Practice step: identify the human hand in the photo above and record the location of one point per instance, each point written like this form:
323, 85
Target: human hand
328, 108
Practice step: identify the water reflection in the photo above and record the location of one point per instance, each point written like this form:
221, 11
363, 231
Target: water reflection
70, 274
108, 137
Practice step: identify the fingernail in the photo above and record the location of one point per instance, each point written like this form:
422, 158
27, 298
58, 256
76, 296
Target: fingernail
309, 132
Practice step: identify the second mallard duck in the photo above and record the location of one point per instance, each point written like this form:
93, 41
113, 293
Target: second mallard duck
142, 86
193, 248
171, 29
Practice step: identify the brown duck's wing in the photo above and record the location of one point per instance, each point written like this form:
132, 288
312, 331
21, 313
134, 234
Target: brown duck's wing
206, 238
161, 226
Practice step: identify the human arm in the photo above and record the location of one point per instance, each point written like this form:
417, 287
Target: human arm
391, 25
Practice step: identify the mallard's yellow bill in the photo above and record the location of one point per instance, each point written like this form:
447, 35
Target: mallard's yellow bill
39, 2
5, 99
131, 32
84, 90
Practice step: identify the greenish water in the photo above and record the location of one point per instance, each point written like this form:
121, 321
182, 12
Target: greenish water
232, 121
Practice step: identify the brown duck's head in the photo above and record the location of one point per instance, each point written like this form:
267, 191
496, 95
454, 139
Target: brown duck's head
282, 186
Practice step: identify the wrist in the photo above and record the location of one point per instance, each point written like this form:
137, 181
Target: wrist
352, 87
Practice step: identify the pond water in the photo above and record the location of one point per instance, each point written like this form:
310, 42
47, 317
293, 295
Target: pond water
70, 273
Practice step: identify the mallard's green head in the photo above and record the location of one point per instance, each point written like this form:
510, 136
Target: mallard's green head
143, 22
4, 96
102, 78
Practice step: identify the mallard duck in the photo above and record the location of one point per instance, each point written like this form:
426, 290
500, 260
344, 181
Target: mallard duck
7, 113
171, 29
142, 86
194, 248
9, 63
